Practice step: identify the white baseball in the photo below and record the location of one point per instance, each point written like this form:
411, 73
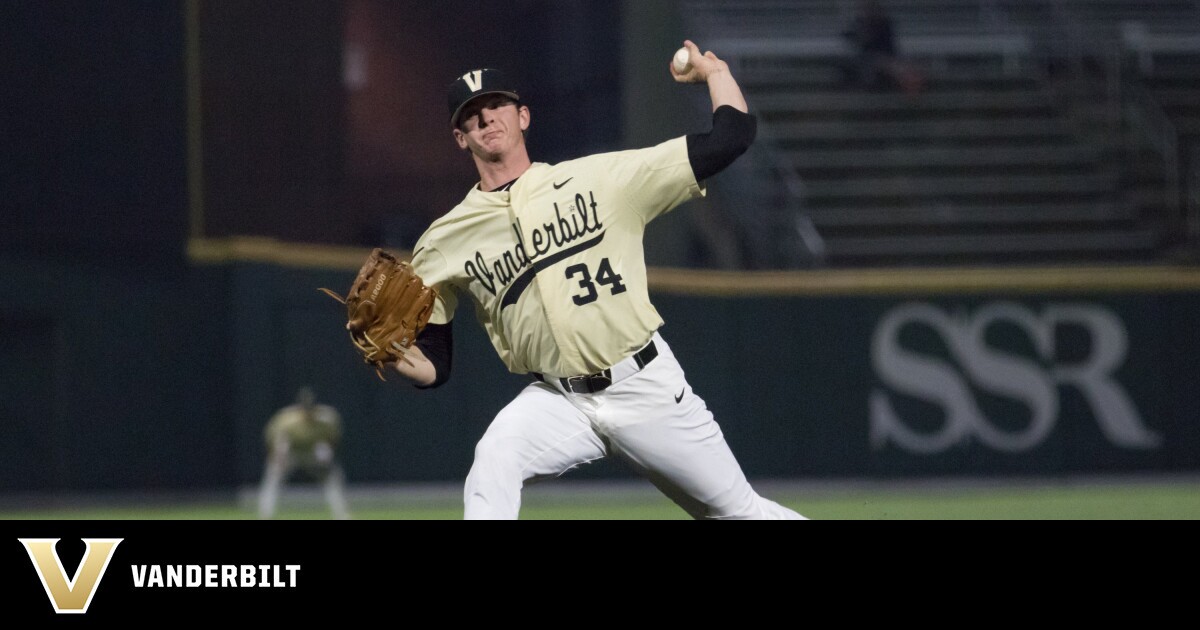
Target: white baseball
682, 61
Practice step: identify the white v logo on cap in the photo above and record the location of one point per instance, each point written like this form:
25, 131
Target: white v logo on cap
474, 79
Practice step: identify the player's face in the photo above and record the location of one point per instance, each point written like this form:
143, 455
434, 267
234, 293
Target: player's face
491, 126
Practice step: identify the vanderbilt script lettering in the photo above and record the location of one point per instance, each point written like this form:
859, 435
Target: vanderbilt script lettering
580, 220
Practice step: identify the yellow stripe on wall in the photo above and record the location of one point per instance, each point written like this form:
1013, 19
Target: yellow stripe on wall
955, 280
220, 251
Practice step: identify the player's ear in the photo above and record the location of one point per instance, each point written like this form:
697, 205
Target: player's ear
523, 117
460, 138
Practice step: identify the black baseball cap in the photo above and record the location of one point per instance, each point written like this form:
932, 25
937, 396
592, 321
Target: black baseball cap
474, 84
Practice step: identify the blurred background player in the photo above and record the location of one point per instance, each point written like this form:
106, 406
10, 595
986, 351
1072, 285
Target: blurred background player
304, 437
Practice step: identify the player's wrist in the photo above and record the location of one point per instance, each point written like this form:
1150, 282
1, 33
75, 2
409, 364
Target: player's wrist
718, 69
421, 374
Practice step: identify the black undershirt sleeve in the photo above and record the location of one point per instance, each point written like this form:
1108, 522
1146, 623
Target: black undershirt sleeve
437, 342
732, 133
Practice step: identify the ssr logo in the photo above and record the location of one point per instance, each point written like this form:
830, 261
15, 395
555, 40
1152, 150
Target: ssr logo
70, 595
1034, 384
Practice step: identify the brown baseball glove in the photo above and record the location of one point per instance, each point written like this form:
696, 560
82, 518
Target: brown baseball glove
387, 307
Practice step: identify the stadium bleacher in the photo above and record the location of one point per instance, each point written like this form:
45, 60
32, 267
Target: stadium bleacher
1046, 131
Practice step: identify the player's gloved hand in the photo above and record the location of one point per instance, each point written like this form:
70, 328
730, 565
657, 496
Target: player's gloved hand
387, 306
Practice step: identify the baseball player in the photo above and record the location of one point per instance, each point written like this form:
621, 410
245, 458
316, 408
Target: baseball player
304, 437
551, 256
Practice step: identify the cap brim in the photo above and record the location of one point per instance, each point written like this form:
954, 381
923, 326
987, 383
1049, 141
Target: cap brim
454, 116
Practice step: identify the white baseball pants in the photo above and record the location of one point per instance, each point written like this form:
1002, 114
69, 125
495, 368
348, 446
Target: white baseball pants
545, 432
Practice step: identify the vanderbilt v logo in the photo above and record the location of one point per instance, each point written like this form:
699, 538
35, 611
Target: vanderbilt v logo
72, 595
474, 79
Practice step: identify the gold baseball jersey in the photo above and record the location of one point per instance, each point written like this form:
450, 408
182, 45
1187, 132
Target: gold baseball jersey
303, 433
555, 264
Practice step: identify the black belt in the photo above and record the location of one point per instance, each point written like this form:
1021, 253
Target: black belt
600, 381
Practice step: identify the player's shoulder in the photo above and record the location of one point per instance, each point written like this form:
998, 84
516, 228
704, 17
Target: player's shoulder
285, 412
585, 161
439, 224
285, 417
614, 168
432, 236
624, 156
585, 166
327, 414
474, 203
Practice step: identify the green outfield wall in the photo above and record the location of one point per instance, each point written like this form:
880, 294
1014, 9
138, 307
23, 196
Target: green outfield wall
116, 380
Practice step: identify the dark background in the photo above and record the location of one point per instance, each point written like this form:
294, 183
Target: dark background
93, 157
322, 122
124, 364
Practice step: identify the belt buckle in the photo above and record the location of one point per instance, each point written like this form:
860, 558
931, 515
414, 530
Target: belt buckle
601, 381
590, 383
576, 384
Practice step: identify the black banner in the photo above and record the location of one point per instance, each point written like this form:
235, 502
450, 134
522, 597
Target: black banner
228, 571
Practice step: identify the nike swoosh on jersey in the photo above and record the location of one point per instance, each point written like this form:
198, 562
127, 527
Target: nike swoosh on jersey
557, 186
522, 281
680, 396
